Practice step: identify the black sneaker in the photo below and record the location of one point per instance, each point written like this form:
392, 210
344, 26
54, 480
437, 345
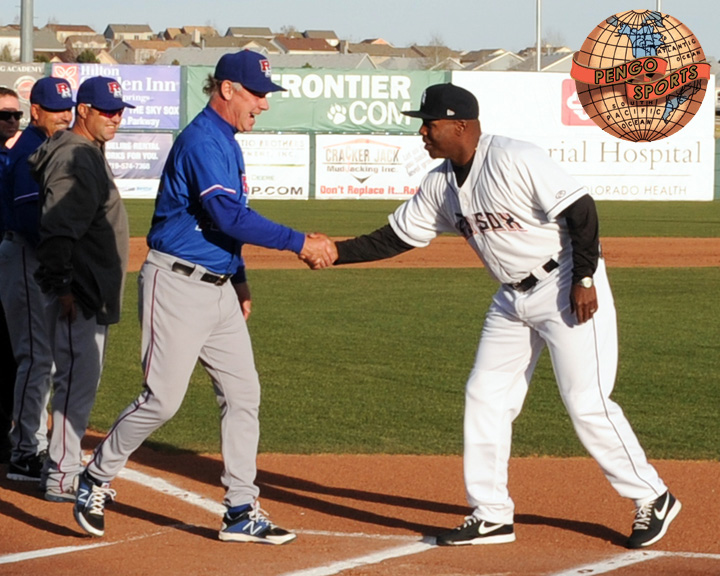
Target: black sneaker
28, 469
476, 531
90, 500
652, 520
252, 525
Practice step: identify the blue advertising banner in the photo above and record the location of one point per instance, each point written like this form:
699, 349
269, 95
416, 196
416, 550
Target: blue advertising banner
154, 90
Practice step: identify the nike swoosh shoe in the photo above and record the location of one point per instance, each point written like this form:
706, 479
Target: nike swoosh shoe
476, 531
652, 520
27, 469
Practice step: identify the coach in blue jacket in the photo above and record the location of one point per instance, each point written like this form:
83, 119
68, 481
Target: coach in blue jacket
195, 300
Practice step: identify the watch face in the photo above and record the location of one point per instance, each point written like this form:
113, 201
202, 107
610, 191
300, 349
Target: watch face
586, 282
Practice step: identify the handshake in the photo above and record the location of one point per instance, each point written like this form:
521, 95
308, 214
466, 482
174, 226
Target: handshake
318, 251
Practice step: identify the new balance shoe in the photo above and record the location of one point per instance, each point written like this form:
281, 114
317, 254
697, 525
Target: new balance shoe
90, 500
476, 531
28, 469
250, 524
652, 520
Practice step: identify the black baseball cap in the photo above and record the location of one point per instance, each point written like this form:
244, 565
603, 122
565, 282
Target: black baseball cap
446, 102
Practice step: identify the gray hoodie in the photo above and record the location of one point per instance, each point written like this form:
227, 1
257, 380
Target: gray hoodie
83, 228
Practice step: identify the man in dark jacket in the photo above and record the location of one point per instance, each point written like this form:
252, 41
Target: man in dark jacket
83, 252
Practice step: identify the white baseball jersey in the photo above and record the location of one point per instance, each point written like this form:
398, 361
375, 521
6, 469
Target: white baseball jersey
506, 209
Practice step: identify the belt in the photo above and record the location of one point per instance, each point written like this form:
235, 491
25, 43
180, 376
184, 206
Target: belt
185, 270
527, 283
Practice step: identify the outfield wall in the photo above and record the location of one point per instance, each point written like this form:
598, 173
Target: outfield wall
341, 134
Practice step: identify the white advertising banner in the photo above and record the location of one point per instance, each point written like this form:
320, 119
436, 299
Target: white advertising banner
369, 166
277, 165
543, 108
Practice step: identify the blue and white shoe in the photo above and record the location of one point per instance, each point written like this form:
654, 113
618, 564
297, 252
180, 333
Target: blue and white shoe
90, 500
250, 524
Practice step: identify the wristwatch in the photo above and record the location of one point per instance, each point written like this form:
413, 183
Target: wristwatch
586, 282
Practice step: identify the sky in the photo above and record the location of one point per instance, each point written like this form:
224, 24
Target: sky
458, 24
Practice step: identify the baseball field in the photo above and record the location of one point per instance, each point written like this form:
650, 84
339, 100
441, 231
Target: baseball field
363, 369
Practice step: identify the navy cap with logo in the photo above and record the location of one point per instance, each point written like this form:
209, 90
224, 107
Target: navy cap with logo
102, 93
52, 94
446, 102
248, 68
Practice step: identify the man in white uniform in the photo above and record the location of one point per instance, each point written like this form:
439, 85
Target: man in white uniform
536, 230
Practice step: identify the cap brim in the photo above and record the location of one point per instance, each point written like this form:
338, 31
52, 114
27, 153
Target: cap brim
264, 87
420, 114
70, 106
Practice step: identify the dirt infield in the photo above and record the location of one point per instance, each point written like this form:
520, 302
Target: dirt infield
372, 515
361, 515
449, 252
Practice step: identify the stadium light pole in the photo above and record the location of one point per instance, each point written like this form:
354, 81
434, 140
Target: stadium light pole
26, 31
538, 34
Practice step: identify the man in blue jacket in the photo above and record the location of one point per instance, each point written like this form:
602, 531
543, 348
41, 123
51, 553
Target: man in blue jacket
50, 110
195, 299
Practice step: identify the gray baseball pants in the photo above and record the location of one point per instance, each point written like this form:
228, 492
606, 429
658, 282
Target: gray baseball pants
185, 320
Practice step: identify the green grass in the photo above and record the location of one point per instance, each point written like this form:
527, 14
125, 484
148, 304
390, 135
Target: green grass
353, 217
374, 361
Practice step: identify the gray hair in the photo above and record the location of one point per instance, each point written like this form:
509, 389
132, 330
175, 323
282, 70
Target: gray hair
212, 85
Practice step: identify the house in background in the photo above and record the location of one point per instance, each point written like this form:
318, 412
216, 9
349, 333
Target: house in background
328, 35
303, 45
198, 33
115, 33
64, 31
249, 32
141, 51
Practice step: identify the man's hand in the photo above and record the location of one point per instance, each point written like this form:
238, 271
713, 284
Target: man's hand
583, 302
243, 293
67, 307
318, 251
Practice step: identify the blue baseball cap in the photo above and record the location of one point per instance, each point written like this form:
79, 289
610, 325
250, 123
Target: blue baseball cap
53, 94
248, 68
102, 93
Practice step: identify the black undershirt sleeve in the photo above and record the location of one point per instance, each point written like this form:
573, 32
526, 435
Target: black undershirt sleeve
383, 243
583, 226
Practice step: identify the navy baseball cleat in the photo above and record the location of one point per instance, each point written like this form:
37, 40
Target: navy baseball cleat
475, 531
90, 500
249, 524
652, 520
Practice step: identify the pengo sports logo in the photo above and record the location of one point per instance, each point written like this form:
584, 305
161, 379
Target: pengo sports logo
641, 75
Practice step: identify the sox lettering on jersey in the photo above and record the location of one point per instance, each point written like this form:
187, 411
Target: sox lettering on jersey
484, 222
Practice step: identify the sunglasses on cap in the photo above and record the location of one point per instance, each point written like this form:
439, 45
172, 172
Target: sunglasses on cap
5, 115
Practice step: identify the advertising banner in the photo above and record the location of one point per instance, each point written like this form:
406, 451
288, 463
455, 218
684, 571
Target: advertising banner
154, 90
21, 77
137, 160
277, 165
360, 166
323, 100
544, 109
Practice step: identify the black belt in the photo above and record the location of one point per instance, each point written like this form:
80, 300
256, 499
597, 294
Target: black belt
185, 270
526, 283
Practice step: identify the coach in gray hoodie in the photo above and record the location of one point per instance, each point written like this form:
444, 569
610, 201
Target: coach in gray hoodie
83, 254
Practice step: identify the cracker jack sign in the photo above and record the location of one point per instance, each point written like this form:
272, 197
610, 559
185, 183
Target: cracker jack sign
389, 167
